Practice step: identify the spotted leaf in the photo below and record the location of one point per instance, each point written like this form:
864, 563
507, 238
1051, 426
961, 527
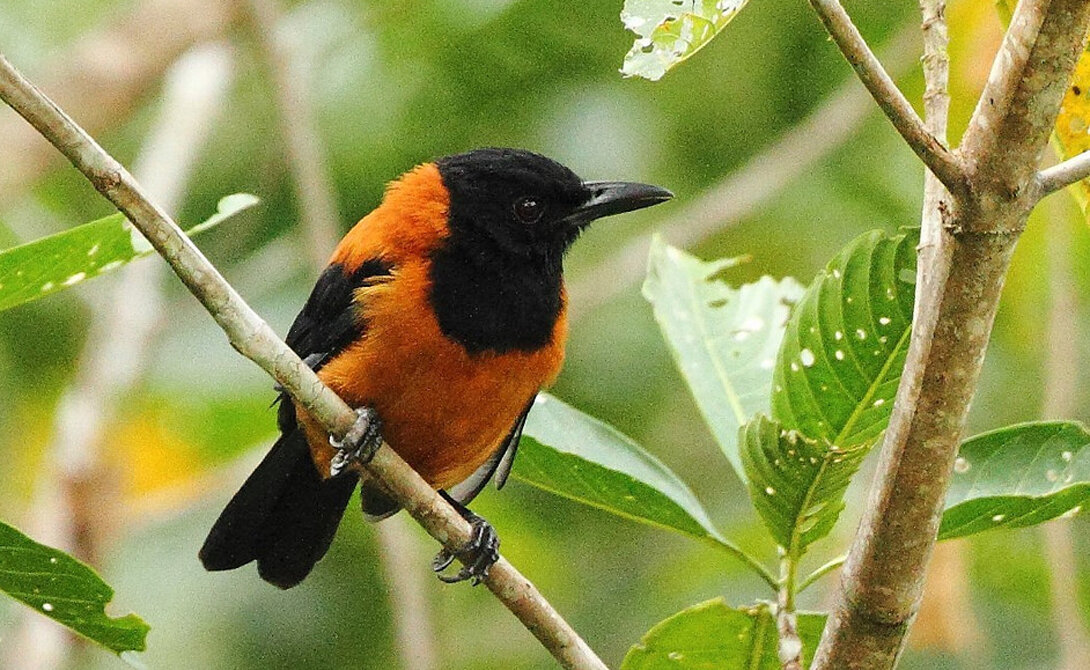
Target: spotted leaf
845, 345
1018, 476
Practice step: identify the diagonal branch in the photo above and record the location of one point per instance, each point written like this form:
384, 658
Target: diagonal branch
253, 338
1017, 111
943, 163
1071, 171
73, 500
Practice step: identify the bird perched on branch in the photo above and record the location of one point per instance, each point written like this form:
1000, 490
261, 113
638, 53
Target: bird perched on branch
440, 316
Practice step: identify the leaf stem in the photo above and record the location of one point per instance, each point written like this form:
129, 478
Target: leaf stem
734, 550
790, 644
821, 572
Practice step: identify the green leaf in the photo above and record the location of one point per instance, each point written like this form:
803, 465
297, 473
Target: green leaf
1018, 476
56, 262
670, 31
724, 339
842, 355
65, 590
714, 636
797, 484
577, 456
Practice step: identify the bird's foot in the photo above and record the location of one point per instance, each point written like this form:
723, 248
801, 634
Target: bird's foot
360, 442
477, 556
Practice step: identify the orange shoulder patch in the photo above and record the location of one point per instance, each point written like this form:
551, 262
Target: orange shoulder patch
410, 222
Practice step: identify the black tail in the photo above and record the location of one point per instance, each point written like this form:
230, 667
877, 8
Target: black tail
284, 516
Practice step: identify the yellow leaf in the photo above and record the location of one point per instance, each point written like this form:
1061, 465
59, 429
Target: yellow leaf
1071, 136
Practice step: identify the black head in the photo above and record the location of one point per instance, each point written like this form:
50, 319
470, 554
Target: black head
528, 204
496, 279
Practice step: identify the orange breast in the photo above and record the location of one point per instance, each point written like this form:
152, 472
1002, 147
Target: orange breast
443, 410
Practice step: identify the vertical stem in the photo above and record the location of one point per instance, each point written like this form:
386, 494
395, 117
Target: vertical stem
936, 99
790, 645
413, 629
314, 192
961, 278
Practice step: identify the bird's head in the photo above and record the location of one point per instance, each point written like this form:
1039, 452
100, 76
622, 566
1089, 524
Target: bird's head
530, 205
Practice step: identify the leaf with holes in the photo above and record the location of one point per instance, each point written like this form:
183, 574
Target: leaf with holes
1018, 476
576, 456
670, 31
724, 339
845, 346
60, 587
56, 262
713, 635
797, 484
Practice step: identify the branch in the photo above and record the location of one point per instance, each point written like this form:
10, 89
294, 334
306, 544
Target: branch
1071, 171
936, 99
253, 338
960, 279
1015, 116
408, 596
942, 163
72, 507
317, 204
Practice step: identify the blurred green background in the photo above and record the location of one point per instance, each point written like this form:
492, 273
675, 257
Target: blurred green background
394, 84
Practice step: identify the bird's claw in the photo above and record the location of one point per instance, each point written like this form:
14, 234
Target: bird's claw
360, 442
478, 555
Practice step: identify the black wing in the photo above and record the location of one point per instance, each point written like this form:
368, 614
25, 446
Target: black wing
498, 464
328, 322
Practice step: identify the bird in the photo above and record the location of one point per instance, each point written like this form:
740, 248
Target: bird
439, 318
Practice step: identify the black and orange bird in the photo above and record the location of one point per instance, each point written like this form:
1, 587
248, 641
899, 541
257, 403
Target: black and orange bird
439, 318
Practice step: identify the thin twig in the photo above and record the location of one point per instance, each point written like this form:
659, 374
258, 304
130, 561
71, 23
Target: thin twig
936, 99
943, 163
820, 572
313, 187
253, 338
748, 188
1070, 171
789, 646
961, 281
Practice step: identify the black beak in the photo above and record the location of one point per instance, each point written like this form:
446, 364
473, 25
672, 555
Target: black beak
615, 197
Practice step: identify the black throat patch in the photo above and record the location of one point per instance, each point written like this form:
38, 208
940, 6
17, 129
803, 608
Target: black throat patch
488, 301
496, 278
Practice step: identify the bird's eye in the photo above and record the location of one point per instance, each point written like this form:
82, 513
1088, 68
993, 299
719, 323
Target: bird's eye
529, 209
